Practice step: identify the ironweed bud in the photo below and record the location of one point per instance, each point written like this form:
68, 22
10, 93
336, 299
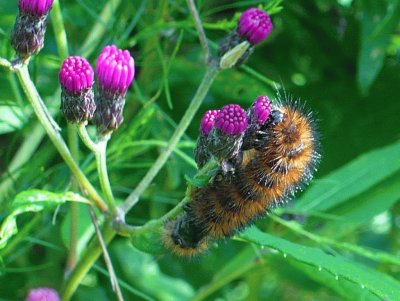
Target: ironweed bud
226, 137
115, 70
201, 153
42, 294
261, 115
27, 37
253, 27
77, 97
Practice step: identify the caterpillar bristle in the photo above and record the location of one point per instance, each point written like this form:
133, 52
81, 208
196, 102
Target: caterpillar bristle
182, 239
279, 162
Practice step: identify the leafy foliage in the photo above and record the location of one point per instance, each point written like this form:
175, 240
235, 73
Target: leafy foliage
338, 240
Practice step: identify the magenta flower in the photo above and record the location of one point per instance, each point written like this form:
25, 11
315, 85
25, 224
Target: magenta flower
77, 97
76, 74
42, 294
254, 24
27, 37
261, 109
231, 120
208, 120
115, 69
35, 7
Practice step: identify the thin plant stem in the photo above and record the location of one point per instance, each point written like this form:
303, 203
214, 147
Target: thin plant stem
53, 132
5, 63
89, 257
100, 151
86, 138
107, 259
59, 30
73, 144
201, 92
101, 161
200, 29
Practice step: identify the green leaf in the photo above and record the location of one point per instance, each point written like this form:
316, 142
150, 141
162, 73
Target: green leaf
378, 20
143, 272
362, 208
380, 284
12, 118
347, 290
350, 180
149, 242
33, 201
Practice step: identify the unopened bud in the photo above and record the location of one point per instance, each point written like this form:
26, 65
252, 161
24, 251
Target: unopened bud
77, 97
27, 37
115, 70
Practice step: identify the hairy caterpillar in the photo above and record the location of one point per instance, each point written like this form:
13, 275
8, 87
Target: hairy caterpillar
277, 158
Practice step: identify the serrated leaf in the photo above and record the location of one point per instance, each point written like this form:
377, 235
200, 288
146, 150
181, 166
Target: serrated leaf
347, 290
350, 180
380, 284
33, 201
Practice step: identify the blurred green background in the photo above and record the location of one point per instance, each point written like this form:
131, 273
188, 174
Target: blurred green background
341, 57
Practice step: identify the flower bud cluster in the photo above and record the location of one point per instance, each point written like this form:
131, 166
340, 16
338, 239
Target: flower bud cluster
115, 70
225, 132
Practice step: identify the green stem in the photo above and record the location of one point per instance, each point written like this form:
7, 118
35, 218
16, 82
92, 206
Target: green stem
90, 256
53, 132
86, 138
200, 29
100, 151
101, 160
5, 63
73, 144
59, 30
201, 92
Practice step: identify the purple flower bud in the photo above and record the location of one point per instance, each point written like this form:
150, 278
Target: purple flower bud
261, 109
115, 69
77, 97
42, 294
231, 120
226, 138
255, 24
76, 74
208, 120
27, 37
35, 7
201, 152
259, 116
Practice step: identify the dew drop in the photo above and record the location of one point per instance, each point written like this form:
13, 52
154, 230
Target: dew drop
319, 268
362, 286
337, 277
284, 255
262, 247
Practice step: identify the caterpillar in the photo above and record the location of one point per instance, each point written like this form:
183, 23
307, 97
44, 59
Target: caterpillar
278, 156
